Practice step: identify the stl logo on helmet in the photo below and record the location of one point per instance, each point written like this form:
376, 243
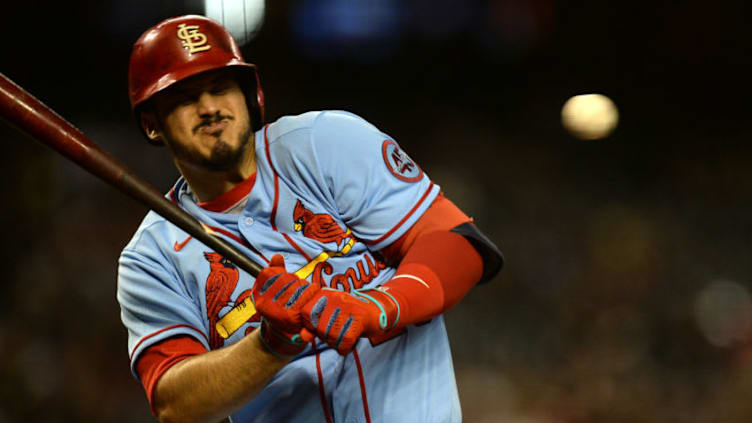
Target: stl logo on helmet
192, 39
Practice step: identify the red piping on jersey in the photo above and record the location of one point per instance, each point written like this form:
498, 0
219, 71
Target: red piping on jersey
232, 197
415, 207
276, 179
162, 330
172, 196
239, 240
276, 198
362, 386
287, 237
322, 393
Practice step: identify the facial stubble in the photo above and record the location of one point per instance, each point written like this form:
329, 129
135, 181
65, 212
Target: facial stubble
223, 157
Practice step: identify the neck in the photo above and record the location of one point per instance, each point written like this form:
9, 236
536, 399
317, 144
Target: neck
208, 185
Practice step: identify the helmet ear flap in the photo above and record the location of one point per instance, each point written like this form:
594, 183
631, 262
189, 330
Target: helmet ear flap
254, 97
260, 102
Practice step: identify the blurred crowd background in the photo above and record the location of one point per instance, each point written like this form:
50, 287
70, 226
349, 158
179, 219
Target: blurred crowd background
626, 293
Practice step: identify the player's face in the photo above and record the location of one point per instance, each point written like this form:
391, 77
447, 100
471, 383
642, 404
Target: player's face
204, 120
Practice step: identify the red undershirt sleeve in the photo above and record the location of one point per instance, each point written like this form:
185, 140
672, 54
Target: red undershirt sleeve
158, 358
437, 267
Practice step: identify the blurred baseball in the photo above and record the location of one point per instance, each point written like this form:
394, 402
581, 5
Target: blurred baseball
589, 116
243, 18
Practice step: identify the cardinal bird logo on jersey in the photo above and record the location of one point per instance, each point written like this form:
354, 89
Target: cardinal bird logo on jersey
220, 284
320, 227
323, 228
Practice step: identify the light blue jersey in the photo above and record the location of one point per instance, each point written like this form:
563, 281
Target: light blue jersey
330, 190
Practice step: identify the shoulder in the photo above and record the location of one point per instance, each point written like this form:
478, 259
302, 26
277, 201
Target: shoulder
317, 126
150, 258
337, 125
317, 119
283, 127
149, 235
315, 139
155, 233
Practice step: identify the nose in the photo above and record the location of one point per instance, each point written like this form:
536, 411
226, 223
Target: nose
207, 104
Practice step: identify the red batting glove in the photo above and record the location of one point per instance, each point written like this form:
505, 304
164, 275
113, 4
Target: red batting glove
279, 298
340, 318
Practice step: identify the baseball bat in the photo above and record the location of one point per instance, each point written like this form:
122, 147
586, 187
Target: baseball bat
36, 119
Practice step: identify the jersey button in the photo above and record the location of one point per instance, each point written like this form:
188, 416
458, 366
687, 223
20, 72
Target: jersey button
249, 221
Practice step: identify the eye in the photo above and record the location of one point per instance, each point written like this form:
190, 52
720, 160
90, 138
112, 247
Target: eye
220, 88
180, 100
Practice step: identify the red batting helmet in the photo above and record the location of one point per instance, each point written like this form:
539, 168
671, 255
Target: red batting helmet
183, 46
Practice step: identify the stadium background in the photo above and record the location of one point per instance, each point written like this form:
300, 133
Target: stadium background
626, 292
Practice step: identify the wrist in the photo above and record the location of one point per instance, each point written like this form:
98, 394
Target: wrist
384, 308
418, 292
281, 344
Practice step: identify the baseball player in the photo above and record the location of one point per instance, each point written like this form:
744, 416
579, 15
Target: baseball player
362, 254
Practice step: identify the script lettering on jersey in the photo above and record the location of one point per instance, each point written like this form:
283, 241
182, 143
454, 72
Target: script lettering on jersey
366, 269
192, 39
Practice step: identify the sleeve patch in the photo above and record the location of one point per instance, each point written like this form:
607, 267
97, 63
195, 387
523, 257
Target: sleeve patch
399, 163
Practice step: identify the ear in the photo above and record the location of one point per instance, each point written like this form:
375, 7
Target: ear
150, 126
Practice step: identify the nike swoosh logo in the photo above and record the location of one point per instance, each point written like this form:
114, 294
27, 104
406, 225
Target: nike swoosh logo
178, 247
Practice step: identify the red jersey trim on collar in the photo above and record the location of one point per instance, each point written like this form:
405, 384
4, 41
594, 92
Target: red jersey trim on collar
232, 197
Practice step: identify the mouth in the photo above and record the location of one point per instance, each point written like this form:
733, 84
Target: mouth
214, 128
213, 125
